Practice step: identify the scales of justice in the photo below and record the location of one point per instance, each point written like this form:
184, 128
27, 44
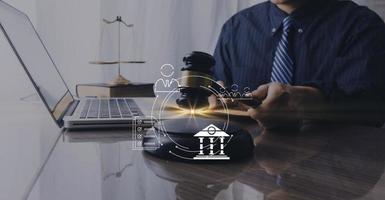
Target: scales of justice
120, 79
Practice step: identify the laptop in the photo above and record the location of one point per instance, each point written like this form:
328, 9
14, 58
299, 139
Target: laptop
68, 111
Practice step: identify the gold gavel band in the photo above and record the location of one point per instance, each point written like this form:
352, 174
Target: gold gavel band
195, 79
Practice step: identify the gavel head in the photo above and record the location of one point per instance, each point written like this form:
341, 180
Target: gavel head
196, 80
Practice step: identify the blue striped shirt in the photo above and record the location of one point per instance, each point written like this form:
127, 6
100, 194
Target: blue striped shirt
338, 47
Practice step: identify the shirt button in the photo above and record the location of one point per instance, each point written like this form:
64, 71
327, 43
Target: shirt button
300, 30
274, 30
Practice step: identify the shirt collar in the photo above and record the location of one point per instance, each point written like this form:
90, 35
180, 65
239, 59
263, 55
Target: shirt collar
303, 16
276, 17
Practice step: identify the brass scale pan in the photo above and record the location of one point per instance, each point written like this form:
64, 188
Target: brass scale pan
116, 62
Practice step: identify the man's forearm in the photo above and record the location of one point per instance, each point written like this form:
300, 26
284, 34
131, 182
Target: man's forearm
307, 99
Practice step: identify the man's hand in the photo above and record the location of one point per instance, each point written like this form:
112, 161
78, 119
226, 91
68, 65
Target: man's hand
283, 105
214, 103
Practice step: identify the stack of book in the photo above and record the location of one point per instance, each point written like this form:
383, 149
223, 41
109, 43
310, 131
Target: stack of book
108, 90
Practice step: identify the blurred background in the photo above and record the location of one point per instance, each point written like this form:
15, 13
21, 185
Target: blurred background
164, 31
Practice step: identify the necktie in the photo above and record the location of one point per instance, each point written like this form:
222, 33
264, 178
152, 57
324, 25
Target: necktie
283, 64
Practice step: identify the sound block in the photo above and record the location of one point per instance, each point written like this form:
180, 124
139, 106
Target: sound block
176, 139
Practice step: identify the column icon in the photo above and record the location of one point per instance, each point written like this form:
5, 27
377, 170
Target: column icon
213, 134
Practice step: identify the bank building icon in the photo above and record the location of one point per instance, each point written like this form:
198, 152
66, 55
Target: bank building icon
213, 134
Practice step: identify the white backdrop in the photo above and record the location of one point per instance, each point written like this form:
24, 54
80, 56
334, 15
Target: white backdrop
376, 5
165, 31
12, 73
71, 30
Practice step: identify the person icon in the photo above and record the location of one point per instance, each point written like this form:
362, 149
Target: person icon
167, 83
234, 91
246, 90
223, 92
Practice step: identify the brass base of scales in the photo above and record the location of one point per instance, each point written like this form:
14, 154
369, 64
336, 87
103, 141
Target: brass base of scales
120, 79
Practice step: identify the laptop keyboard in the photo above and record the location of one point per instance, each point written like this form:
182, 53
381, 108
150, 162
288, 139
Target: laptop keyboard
109, 108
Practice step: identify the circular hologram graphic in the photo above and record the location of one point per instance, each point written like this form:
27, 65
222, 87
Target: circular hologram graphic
162, 105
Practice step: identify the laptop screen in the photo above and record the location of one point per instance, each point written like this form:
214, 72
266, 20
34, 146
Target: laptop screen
35, 59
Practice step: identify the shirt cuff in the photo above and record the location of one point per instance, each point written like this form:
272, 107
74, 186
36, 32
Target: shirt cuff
328, 89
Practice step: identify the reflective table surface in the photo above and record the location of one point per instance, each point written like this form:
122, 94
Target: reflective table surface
28, 135
321, 161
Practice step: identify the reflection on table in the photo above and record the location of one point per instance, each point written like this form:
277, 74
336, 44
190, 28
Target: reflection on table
317, 162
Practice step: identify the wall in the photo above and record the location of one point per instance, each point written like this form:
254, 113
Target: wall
376, 5
13, 88
70, 30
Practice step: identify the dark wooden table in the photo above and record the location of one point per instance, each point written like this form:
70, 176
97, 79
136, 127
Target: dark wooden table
320, 161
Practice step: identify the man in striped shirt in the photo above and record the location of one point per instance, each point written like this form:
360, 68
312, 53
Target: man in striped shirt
306, 59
